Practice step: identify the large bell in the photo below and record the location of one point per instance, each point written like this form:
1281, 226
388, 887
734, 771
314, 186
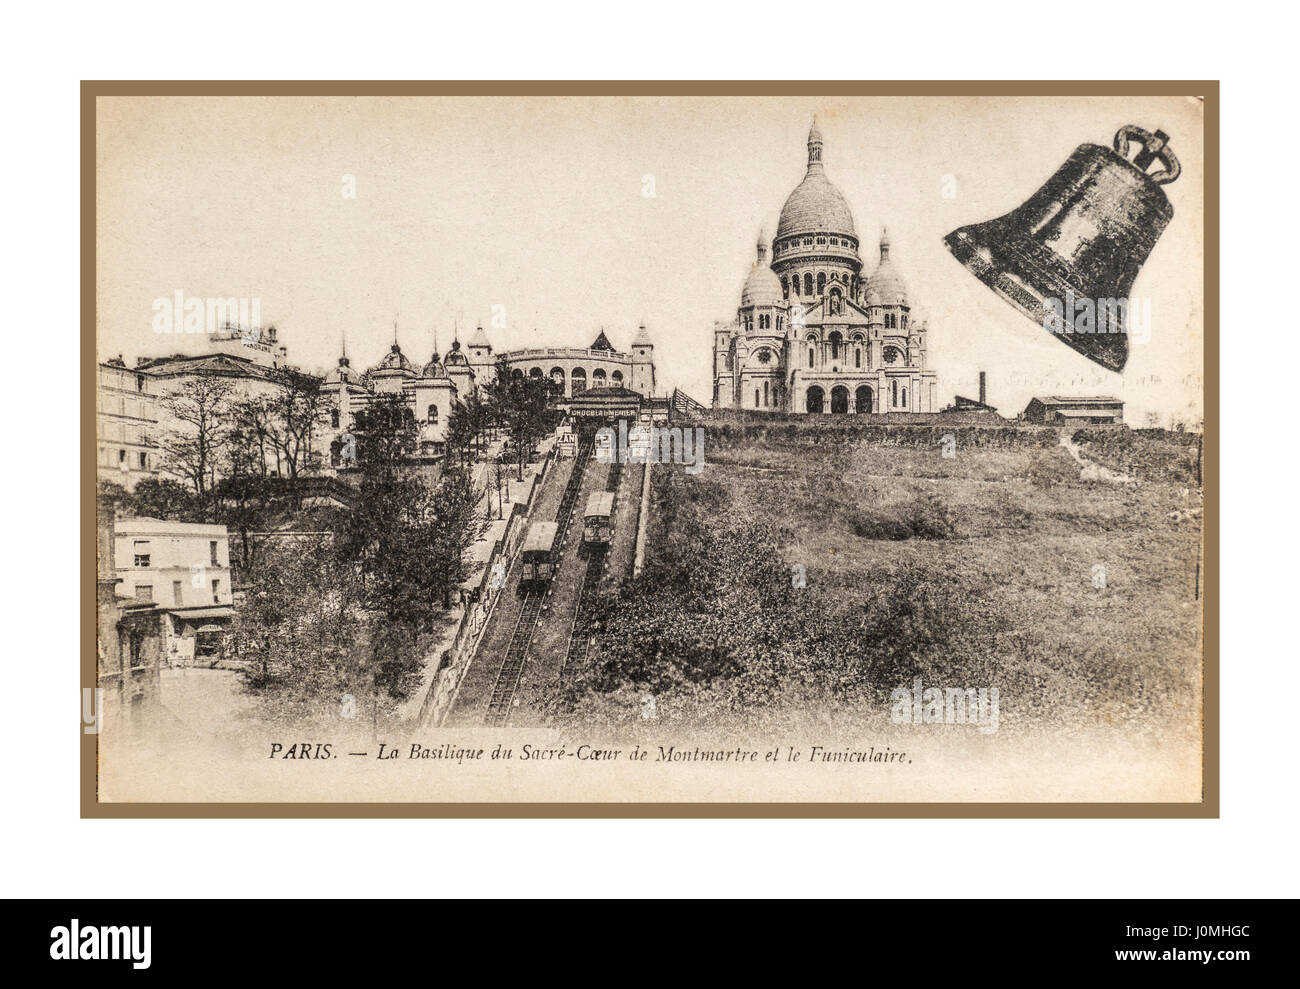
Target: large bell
1076, 245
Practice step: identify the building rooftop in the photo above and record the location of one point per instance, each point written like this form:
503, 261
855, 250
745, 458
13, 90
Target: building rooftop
1078, 400
143, 524
598, 394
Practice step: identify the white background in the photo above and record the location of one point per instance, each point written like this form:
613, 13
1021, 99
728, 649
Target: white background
49, 851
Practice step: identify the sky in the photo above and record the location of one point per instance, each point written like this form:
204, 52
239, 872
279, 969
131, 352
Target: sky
547, 220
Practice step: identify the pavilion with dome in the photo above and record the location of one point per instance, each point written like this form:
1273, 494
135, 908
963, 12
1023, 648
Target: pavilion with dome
812, 333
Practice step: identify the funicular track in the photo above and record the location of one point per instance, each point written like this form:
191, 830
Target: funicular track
503, 693
580, 634
512, 666
564, 514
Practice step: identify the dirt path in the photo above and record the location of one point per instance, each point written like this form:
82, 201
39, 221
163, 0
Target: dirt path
1090, 471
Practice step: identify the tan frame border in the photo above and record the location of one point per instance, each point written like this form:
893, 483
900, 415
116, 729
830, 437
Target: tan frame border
1206, 90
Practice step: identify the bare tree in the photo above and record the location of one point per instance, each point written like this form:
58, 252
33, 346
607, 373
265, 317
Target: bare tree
200, 407
254, 421
298, 410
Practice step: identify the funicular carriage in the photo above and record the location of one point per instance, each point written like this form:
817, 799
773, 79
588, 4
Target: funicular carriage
598, 519
539, 552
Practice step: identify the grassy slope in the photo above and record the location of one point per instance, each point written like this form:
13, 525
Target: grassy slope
1002, 596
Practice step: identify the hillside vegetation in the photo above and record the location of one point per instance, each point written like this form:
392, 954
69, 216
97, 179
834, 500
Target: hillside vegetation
972, 570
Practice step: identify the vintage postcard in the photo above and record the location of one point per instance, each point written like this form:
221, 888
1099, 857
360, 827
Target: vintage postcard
659, 449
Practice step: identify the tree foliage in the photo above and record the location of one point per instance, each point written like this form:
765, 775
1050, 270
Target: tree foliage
406, 539
522, 404
201, 409
716, 628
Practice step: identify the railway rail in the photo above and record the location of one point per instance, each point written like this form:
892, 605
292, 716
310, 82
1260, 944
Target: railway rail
511, 671
512, 667
580, 633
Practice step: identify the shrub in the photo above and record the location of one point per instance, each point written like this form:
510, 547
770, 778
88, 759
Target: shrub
872, 526
929, 518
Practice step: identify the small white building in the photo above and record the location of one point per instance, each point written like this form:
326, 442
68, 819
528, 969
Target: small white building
184, 569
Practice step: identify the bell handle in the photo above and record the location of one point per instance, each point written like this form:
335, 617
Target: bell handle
1154, 147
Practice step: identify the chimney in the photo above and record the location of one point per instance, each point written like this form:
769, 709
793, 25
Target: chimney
983, 392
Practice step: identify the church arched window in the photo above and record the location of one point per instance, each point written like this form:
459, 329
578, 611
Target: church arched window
807, 283
821, 282
810, 356
835, 339
857, 356
785, 287
433, 413
765, 395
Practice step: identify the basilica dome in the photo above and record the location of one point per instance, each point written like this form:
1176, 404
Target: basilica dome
885, 282
816, 205
762, 287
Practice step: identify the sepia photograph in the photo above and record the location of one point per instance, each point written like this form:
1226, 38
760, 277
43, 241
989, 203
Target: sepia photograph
684, 449
572, 453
